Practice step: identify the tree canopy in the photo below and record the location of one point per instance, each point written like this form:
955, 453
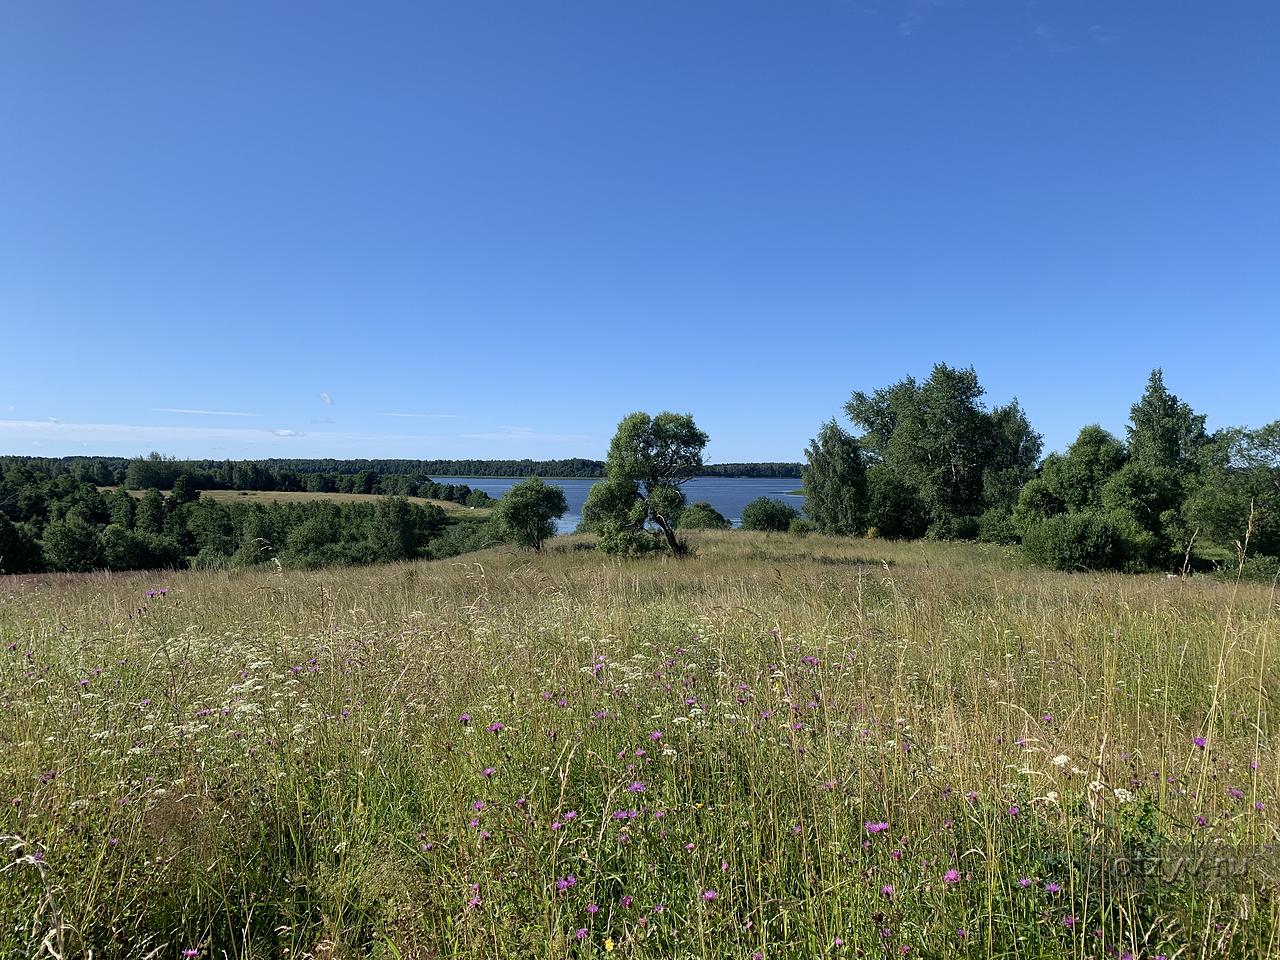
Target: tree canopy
649, 461
835, 482
527, 513
950, 458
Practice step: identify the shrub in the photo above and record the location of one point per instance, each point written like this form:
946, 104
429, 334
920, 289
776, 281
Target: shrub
800, 526
1087, 540
1257, 569
762, 513
997, 525
702, 516
953, 528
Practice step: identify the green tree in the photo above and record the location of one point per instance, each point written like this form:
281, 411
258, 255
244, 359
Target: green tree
151, 513
702, 516
72, 546
835, 482
184, 490
1236, 503
399, 529
19, 552
527, 513
1164, 432
364, 482
894, 509
650, 459
1074, 480
764, 513
122, 549
123, 508
956, 458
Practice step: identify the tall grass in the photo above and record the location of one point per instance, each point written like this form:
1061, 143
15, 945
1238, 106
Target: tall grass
781, 747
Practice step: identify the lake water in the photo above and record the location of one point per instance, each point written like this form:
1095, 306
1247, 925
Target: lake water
727, 494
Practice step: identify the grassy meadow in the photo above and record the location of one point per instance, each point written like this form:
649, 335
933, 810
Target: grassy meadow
782, 747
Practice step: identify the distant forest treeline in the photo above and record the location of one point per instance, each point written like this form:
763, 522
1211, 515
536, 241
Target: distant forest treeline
67, 523
391, 477
77, 513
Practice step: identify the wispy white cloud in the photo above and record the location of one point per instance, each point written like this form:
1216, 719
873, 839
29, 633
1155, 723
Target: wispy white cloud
916, 14
326, 399
1101, 34
1051, 38
203, 413
63, 438
423, 416
528, 434
151, 437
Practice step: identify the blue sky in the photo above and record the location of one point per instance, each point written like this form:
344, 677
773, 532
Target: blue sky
492, 229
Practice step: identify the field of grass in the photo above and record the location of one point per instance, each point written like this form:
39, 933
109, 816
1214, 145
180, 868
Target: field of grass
783, 747
277, 496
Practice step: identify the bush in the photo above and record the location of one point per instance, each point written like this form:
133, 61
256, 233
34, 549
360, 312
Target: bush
463, 536
623, 540
763, 513
702, 516
800, 527
997, 525
1087, 540
953, 528
1259, 569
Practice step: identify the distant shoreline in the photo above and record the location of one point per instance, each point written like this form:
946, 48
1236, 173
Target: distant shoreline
543, 476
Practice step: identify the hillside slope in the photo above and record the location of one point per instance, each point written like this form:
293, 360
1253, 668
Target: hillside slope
781, 747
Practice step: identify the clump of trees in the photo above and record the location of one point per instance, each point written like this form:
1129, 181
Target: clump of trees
62, 523
637, 507
932, 460
1149, 502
